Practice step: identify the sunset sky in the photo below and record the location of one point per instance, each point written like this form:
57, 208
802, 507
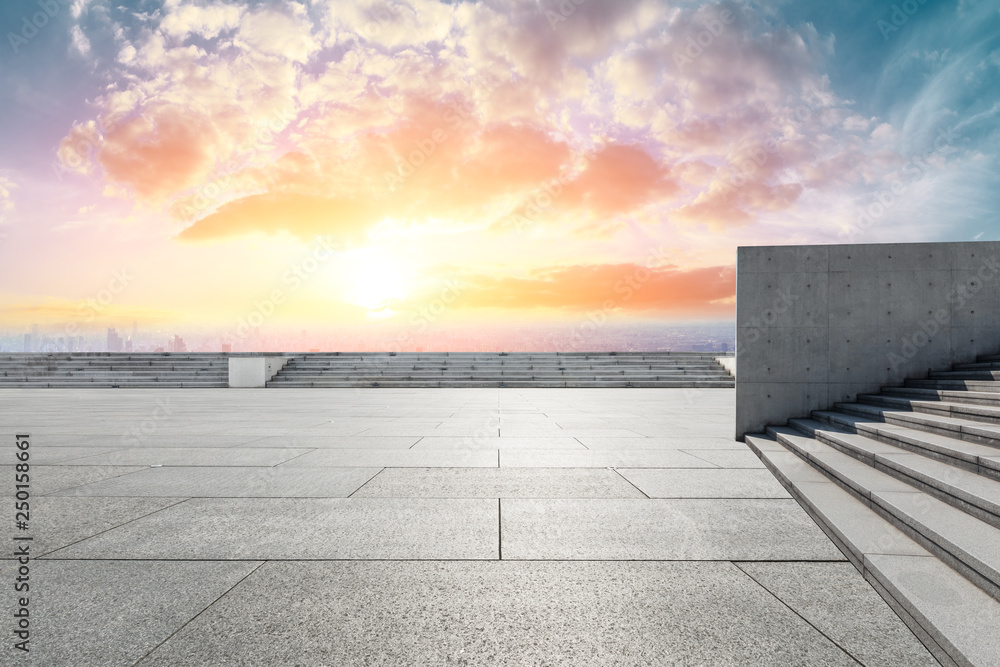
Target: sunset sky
517, 161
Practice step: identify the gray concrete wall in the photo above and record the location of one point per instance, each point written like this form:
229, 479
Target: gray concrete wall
820, 324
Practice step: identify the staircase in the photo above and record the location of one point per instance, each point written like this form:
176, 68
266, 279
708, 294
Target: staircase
103, 369
907, 484
482, 369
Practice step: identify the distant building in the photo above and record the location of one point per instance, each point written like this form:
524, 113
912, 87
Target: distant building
27, 342
227, 347
176, 345
115, 343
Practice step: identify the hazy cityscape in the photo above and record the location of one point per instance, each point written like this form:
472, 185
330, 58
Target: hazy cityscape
585, 335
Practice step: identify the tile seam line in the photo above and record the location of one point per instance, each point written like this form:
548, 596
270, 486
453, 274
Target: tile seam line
380, 471
55, 494
630, 482
499, 528
125, 523
281, 463
843, 561
196, 616
804, 619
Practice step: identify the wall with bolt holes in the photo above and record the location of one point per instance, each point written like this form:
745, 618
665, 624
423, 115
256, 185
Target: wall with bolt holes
817, 325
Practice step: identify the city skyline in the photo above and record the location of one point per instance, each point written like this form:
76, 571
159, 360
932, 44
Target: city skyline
588, 334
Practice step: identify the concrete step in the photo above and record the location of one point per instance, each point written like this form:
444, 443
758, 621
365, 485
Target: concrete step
960, 539
977, 366
162, 384
491, 377
979, 458
395, 383
969, 491
986, 434
503, 370
946, 395
107, 373
959, 628
958, 385
981, 375
629, 368
973, 412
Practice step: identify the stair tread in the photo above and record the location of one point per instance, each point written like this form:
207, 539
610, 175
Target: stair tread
948, 525
975, 489
877, 411
972, 542
957, 614
964, 426
937, 406
856, 526
970, 452
950, 393
860, 476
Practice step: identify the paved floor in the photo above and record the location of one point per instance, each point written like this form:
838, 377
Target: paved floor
419, 527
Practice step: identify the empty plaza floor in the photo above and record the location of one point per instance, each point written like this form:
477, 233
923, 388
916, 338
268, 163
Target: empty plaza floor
418, 527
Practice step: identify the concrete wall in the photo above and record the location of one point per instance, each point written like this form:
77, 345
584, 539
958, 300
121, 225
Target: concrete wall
820, 324
254, 371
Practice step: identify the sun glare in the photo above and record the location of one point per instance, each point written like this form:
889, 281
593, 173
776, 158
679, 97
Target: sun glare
372, 277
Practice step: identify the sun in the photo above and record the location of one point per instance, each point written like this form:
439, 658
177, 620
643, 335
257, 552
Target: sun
373, 277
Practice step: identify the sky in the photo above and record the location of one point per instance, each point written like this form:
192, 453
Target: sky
333, 163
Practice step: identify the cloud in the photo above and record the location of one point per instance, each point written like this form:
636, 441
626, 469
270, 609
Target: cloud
422, 110
629, 287
208, 21
6, 194
159, 153
277, 34
79, 317
79, 41
302, 215
78, 8
621, 178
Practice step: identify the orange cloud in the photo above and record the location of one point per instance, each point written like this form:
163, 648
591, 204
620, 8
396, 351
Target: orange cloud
303, 215
161, 152
629, 287
620, 179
